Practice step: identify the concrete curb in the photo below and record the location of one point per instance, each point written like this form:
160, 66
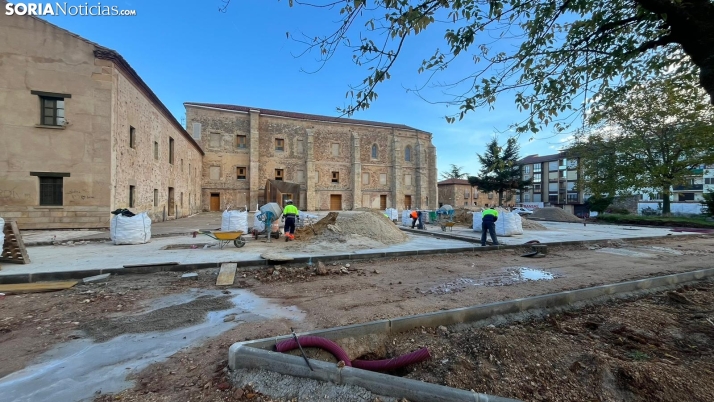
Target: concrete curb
380, 384
7, 279
256, 353
97, 240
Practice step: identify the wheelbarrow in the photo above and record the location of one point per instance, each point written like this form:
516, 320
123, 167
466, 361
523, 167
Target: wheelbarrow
225, 238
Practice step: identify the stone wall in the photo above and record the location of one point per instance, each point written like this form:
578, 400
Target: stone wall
146, 166
312, 151
41, 57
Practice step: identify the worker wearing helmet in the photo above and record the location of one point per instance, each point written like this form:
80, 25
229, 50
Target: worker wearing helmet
488, 224
290, 213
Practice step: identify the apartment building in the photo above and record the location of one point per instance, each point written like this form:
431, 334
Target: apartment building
554, 182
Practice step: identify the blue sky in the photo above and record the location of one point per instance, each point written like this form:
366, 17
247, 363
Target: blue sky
188, 51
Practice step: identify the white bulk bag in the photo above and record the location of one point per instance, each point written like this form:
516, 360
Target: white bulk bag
130, 229
406, 219
234, 221
477, 221
2, 232
392, 213
508, 223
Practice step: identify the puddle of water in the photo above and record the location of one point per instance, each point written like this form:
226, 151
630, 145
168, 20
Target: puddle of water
510, 276
624, 252
75, 370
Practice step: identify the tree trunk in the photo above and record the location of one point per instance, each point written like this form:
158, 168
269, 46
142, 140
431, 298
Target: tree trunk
500, 198
690, 24
665, 201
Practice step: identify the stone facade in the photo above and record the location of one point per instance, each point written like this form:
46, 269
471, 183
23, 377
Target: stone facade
459, 194
69, 164
332, 159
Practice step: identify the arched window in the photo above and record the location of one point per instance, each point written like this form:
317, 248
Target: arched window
374, 151
408, 153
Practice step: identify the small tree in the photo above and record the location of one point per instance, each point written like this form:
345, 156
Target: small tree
598, 204
456, 172
500, 171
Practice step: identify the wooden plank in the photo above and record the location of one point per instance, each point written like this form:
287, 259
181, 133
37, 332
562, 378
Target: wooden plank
13, 249
227, 274
36, 287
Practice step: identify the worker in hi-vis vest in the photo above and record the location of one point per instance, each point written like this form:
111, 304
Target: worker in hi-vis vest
290, 213
488, 224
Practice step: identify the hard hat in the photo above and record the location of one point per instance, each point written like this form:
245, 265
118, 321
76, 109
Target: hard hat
289, 201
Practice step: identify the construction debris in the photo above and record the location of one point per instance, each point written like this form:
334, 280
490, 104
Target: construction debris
554, 214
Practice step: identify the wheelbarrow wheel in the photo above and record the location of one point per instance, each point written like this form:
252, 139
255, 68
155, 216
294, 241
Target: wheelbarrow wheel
239, 242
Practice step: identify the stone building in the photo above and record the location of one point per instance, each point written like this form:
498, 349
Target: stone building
459, 194
81, 134
340, 164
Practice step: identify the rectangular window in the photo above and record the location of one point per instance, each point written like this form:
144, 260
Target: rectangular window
536, 188
407, 180
382, 178
241, 141
197, 130
215, 140
553, 166
132, 137
490, 196
156, 197
335, 149
536, 178
279, 144
181, 205
300, 176
365, 178
335, 177
709, 180
171, 150
476, 195
132, 196
537, 198
278, 174
467, 194
214, 173
51, 191
156, 150
536, 167
526, 197
573, 197
240, 174
52, 111
526, 169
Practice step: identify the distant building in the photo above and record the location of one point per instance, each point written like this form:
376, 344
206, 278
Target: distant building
554, 182
339, 164
458, 193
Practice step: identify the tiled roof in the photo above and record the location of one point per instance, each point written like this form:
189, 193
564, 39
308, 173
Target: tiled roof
301, 116
453, 181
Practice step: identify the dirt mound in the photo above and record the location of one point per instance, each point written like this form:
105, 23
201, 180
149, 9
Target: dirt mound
464, 216
555, 215
531, 225
367, 226
318, 227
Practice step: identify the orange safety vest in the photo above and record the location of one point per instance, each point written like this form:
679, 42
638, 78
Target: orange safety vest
414, 214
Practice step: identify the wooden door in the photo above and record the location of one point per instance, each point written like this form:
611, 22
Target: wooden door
408, 202
382, 202
335, 202
171, 204
215, 202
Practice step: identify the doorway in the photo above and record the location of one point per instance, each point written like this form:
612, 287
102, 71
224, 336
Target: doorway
335, 202
407, 202
215, 202
171, 203
383, 202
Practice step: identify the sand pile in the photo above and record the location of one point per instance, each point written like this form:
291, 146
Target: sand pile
531, 225
367, 227
464, 216
555, 215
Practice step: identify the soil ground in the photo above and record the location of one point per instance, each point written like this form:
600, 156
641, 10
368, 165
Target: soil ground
365, 291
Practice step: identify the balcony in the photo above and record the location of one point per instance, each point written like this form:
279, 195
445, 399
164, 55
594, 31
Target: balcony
691, 187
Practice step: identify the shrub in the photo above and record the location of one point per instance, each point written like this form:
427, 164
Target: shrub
618, 211
649, 211
708, 203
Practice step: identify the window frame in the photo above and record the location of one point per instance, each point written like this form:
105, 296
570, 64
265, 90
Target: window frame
156, 150
408, 153
132, 137
54, 193
241, 141
238, 173
132, 196
375, 151
280, 174
335, 177
280, 144
156, 197
54, 108
171, 151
